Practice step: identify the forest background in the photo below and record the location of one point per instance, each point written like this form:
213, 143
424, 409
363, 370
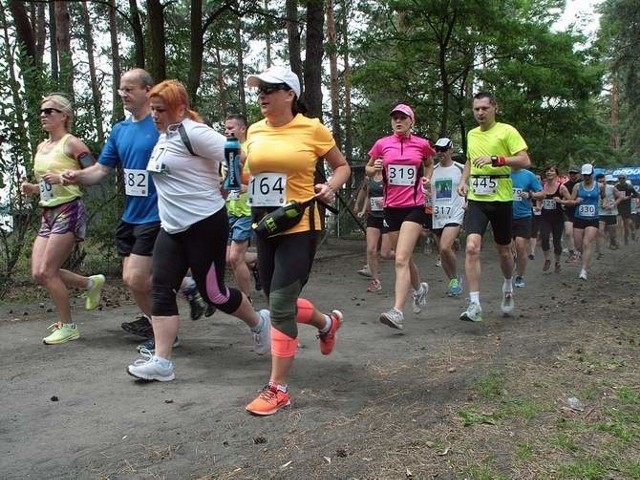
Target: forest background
573, 96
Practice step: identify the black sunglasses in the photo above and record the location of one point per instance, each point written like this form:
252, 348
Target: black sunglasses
49, 111
269, 88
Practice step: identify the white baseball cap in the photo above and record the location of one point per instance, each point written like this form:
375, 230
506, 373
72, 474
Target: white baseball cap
587, 169
276, 74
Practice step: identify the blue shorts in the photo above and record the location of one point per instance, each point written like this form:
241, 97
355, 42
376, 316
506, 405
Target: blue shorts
240, 229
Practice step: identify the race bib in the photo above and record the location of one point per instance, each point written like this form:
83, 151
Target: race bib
376, 203
442, 215
549, 204
46, 190
136, 182
517, 194
484, 185
586, 210
267, 190
401, 175
156, 164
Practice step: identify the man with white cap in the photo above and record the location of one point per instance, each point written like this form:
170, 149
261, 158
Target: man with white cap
448, 210
493, 149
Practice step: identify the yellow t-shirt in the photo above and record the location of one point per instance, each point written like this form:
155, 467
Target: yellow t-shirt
292, 151
501, 140
55, 161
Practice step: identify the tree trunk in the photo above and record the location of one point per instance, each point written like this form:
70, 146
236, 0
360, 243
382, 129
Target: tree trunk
63, 40
346, 76
333, 73
197, 49
313, 58
138, 36
95, 89
293, 36
55, 69
115, 62
24, 30
157, 60
240, 61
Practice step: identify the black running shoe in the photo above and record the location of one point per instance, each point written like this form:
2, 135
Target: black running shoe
141, 326
256, 277
211, 309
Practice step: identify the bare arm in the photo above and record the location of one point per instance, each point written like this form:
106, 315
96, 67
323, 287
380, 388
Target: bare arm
341, 172
87, 176
463, 186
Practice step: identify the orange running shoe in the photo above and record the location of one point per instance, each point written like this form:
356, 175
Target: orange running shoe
328, 339
269, 401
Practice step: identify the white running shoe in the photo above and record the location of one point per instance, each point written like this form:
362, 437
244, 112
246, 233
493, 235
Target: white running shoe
420, 297
507, 303
583, 274
365, 271
473, 313
150, 367
262, 339
393, 318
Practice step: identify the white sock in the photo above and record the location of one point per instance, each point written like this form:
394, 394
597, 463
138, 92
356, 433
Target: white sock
474, 297
507, 286
327, 324
90, 283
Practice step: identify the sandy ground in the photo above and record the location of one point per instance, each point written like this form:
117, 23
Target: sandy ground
71, 411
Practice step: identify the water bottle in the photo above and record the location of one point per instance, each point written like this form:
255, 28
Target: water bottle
232, 158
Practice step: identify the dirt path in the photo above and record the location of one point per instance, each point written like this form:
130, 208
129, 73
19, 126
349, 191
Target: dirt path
385, 404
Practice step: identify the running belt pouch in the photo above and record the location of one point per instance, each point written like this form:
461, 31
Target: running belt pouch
280, 220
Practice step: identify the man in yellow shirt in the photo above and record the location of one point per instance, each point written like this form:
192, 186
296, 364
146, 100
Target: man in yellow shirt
493, 148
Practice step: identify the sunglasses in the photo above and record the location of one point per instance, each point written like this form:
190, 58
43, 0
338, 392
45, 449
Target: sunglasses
49, 111
269, 88
441, 149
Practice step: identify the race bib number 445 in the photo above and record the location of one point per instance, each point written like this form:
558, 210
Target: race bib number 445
268, 190
484, 185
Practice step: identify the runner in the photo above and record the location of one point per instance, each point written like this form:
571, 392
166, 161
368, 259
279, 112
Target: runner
569, 213
64, 218
283, 150
586, 195
194, 228
448, 211
493, 149
238, 256
403, 159
526, 187
371, 199
624, 208
534, 240
608, 211
552, 218
128, 149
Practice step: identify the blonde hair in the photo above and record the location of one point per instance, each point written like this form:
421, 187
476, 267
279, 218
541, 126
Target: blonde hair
63, 104
174, 94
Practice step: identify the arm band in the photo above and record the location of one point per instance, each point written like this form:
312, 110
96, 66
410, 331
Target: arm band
85, 159
498, 161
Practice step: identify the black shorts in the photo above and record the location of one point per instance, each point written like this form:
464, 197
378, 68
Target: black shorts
438, 231
377, 223
535, 226
581, 223
136, 239
609, 220
394, 217
521, 227
479, 214
428, 222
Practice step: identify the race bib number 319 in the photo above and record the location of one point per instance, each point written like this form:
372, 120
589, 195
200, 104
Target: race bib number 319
401, 174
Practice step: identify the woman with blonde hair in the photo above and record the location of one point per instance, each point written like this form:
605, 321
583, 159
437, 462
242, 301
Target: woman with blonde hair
185, 165
64, 218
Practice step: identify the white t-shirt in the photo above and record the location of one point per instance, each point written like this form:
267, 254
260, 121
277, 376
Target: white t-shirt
448, 206
188, 186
